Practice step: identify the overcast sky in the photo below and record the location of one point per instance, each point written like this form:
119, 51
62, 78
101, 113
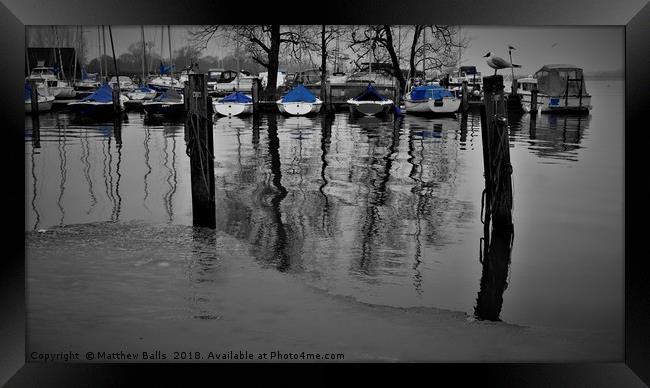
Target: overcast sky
592, 48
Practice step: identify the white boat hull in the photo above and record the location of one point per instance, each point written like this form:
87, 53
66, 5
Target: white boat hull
62, 92
44, 105
233, 108
549, 104
449, 105
141, 95
299, 108
369, 108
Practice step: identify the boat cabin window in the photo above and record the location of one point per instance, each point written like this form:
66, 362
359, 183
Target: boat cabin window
227, 76
527, 86
42, 72
214, 76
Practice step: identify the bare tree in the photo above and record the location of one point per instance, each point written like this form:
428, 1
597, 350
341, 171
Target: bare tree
263, 42
380, 41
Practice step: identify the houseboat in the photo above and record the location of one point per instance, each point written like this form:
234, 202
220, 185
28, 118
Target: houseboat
561, 88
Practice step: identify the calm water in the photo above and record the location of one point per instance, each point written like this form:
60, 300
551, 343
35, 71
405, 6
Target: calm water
380, 211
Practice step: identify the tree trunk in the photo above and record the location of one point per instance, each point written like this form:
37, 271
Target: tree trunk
416, 37
323, 66
393, 57
274, 62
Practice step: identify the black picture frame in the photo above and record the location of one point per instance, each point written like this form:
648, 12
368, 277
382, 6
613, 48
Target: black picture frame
632, 15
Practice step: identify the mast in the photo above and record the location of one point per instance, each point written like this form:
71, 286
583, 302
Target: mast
238, 68
162, 37
74, 71
27, 51
424, 54
144, 56
99, 54
169, 41
105, 56
117, 74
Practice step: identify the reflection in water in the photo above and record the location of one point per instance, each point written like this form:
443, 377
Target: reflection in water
281, 257
550, 136
495, 258
85, 154
34, 189
64, 173
326, 134
145, 144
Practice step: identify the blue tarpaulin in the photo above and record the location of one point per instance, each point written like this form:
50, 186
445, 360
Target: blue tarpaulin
237, 97
299, 94
165, 69
430, 92
144, 89
370, 94
103, 94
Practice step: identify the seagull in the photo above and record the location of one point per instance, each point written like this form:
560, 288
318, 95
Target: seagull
498, 63
511, 48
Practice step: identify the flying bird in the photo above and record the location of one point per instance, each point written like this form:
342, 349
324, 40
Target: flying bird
498, 63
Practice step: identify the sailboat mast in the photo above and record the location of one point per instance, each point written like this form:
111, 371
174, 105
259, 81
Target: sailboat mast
74, 71
105, 56
162, 55
424, 53
99, 53
144, 56
169, 42
27, 51
238, 68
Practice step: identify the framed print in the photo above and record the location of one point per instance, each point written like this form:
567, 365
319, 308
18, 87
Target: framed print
450, 192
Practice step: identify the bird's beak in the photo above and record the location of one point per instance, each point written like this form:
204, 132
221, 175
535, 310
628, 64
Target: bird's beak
486, 55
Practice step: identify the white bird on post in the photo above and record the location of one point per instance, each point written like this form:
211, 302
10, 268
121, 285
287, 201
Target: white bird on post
498, 63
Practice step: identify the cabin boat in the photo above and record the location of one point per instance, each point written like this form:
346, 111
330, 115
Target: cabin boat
45, 100
97, 105
299, 102
169, 104
142, 93
281, 79
47, 76
431, 99
235, 104
370, 103
164, 83
561, 88
125, 83
226, 81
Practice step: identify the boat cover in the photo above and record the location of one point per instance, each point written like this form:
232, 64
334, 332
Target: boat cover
299, 94
370, 94
430, 92
165, 69
144, 89
170, 95
103, 94
552, 80
237, 97
88, 76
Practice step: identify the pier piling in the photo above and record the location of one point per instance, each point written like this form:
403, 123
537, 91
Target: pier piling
34, 98
117, 109
200, 149
533, 101
256, 96
496, 153
464, 105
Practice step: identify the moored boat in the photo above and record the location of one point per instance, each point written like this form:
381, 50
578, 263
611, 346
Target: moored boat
48, 76
561, 88
168, 104
97, 105
431, 99
299, 102
370, 103
234, 104
142, 93
45, 100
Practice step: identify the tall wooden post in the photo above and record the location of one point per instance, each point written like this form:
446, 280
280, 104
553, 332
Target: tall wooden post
497, 145
200, 149
117, 108
329, 105
533, 101
34, 98
465, 97
256, 96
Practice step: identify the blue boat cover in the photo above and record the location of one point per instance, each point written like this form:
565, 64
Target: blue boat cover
87, 76
28, 92
144, 89
430, 92
370, 94
170, 95
165, 69
299, 94
237, 97
103, 94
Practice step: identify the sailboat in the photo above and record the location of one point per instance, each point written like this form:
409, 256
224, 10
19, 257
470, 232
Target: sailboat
369, 103
299, 102
234, 104
97, 105
431, 99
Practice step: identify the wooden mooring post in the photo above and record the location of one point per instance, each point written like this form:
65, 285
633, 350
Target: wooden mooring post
464, 105
496, 154
200, 149
117, 108
533, 101
329, 104
256, 96
36, 124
